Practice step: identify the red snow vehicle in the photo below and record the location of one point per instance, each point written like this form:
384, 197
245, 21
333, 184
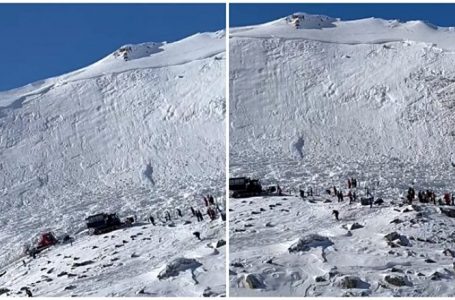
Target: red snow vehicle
45, 241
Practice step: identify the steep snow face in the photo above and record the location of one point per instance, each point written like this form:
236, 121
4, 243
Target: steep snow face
313, 96
140, 135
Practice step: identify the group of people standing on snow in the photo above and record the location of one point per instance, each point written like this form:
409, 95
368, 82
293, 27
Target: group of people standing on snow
213, 211
309, 193
429, 196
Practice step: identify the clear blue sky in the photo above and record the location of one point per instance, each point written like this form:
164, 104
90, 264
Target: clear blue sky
44, 40
250, 14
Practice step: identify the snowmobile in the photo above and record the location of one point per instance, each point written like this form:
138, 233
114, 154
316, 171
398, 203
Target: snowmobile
103, 223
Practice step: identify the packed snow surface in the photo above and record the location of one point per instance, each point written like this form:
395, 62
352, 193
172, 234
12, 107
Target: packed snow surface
263, 229
127, 134
315, 100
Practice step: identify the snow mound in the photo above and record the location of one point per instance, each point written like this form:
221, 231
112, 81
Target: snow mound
352, 282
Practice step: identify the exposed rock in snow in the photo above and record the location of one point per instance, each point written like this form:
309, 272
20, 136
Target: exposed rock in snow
352, 282
310, 241
178, 265
448, 252
220, 243
448, 212
252, 281
3, 291
354, 226
397, 280
397, 238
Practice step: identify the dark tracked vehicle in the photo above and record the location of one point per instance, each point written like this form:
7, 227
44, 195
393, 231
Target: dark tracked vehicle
243, 187
103, 223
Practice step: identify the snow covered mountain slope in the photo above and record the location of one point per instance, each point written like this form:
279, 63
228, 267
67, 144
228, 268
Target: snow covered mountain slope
139, 132
315, 100
295, 97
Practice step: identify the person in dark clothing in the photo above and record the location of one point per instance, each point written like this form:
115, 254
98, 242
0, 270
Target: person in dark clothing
28, 292
350, 197
280, 192
411, 195
192, 211
168, 216
179, 212
453, 201
335, 191
371, 202
23, 262
302, 194
211, 200
310, 192
354, 196
197, 234
206, 202
152, 220
336, 213
200, 218
210, 213
349, 183
447, 198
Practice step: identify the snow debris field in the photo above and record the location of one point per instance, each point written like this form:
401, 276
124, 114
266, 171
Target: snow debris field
128, 135
314, 101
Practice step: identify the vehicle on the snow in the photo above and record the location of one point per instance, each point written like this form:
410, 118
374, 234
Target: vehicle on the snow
102, 223
243, 187
366, 201
46, 240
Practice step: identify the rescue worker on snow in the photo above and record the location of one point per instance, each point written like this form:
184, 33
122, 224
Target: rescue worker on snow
336, 213
211, 200
280, 192
447, 198
197, 234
